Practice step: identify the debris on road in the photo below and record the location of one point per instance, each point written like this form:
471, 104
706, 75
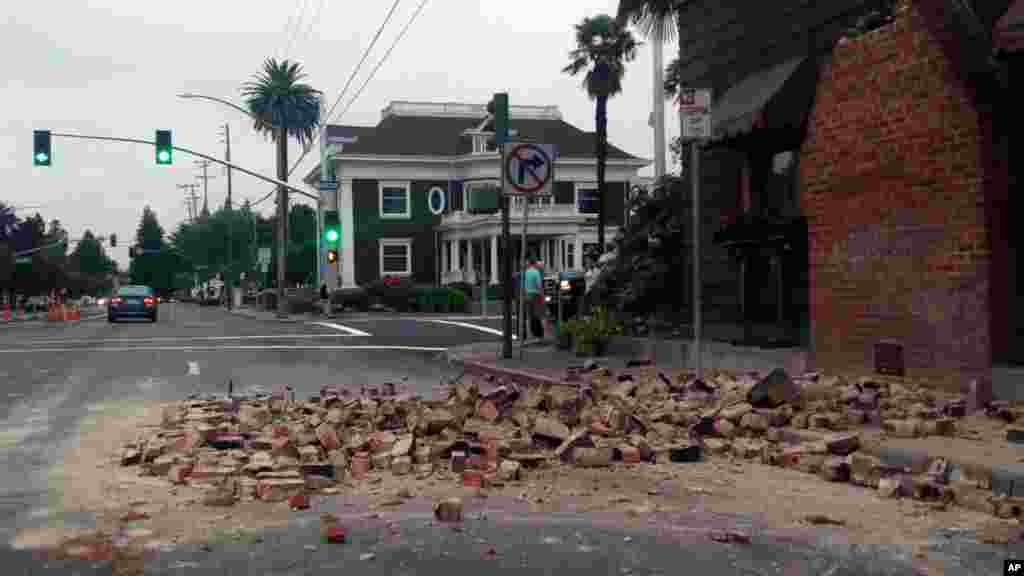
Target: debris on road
276, 448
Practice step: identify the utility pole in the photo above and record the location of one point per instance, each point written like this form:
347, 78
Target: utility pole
191, 198
231, 238
205, 165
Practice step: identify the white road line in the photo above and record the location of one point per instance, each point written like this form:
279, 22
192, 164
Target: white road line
346, 329
186, 338
221, 349
484, 329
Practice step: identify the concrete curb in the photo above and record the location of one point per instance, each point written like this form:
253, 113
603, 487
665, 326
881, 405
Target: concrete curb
522, 377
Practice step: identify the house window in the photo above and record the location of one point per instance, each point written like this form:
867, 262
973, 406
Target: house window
395, 257
569, 258
586, 199
394, 200
590, 252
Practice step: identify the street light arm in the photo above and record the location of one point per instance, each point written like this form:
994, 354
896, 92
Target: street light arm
189, 96
193, 153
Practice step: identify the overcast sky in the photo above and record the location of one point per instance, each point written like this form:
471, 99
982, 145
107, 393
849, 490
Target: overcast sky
113, 68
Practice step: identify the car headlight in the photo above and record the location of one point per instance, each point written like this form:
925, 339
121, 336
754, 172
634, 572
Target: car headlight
547, 298
565, 285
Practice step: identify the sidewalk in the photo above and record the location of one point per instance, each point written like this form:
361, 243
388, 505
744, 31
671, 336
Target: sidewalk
978, 453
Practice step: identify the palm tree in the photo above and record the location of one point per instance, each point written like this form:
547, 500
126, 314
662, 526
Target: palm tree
282, 106
603, 46
656, 21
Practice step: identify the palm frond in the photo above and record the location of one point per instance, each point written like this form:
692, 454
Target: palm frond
277, 97
649, 15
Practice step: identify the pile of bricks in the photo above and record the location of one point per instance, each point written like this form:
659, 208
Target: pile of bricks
274, 448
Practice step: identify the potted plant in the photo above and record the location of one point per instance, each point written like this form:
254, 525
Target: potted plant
591, 335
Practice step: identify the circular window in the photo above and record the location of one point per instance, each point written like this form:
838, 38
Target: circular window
436, 200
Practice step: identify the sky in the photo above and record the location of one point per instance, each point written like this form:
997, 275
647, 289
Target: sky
114, 68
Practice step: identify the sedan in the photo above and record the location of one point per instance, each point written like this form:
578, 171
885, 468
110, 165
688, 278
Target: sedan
132, 302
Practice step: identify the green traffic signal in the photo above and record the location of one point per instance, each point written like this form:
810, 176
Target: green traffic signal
41, 155
163, 147
332, 227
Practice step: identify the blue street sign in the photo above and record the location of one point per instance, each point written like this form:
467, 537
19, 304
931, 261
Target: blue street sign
328, 185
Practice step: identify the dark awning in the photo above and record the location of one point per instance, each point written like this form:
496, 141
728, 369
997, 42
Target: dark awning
1009, 33
777, 98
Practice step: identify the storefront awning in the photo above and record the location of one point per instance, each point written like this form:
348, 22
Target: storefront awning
779, 97
1009, 32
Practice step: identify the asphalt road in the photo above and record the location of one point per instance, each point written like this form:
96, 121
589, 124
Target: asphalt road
53, 373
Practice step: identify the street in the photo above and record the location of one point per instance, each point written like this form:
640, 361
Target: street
59, 375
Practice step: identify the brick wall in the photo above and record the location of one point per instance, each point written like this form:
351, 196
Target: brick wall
892, 182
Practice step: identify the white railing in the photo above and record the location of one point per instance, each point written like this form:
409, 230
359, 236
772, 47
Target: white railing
541, 211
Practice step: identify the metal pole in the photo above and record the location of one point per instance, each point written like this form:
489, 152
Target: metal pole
231, 217
506, 265
524, 328
658, 106
695, 178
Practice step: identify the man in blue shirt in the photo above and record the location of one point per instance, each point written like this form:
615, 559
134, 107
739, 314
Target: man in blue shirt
533, 284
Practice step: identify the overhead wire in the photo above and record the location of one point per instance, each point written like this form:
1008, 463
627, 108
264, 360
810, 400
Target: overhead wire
298, 27
373, 72
351, 77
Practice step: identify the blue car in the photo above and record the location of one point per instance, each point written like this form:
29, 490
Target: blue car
133, 302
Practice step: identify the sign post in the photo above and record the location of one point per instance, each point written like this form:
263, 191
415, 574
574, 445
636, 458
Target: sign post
528, 171
695, 115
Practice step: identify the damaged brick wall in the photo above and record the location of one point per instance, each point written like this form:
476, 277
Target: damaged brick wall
892, 182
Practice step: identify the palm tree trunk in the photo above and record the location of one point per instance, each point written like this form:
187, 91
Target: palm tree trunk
282, 220
601, 122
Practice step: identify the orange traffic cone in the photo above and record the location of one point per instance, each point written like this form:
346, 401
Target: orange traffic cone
78, 313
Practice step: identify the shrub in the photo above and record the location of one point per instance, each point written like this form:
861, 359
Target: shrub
456, 300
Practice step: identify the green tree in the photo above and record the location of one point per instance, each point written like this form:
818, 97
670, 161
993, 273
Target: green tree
152, 269
90, 265
603, 46
283, 106
301, 244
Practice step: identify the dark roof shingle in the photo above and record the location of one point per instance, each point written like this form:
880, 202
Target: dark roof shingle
442, 136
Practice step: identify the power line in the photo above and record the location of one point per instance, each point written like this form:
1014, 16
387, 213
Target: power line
298, 26
313, 21
348, 82
288, 30
384, 59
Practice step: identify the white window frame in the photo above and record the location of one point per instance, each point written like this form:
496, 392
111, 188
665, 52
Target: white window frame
577, 187
407, 242
405, 185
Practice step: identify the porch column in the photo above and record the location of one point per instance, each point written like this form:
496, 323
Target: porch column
578, 256
456, 254
471, 263
494, 259
445, 259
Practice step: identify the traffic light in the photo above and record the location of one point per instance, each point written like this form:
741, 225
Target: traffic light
131, 251
113, 240
332, 227
163, 147
498, 108
41, 153
332, 256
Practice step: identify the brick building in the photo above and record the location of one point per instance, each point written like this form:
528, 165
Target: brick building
873, 131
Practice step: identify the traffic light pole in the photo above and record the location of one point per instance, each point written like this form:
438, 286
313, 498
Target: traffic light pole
241, 169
